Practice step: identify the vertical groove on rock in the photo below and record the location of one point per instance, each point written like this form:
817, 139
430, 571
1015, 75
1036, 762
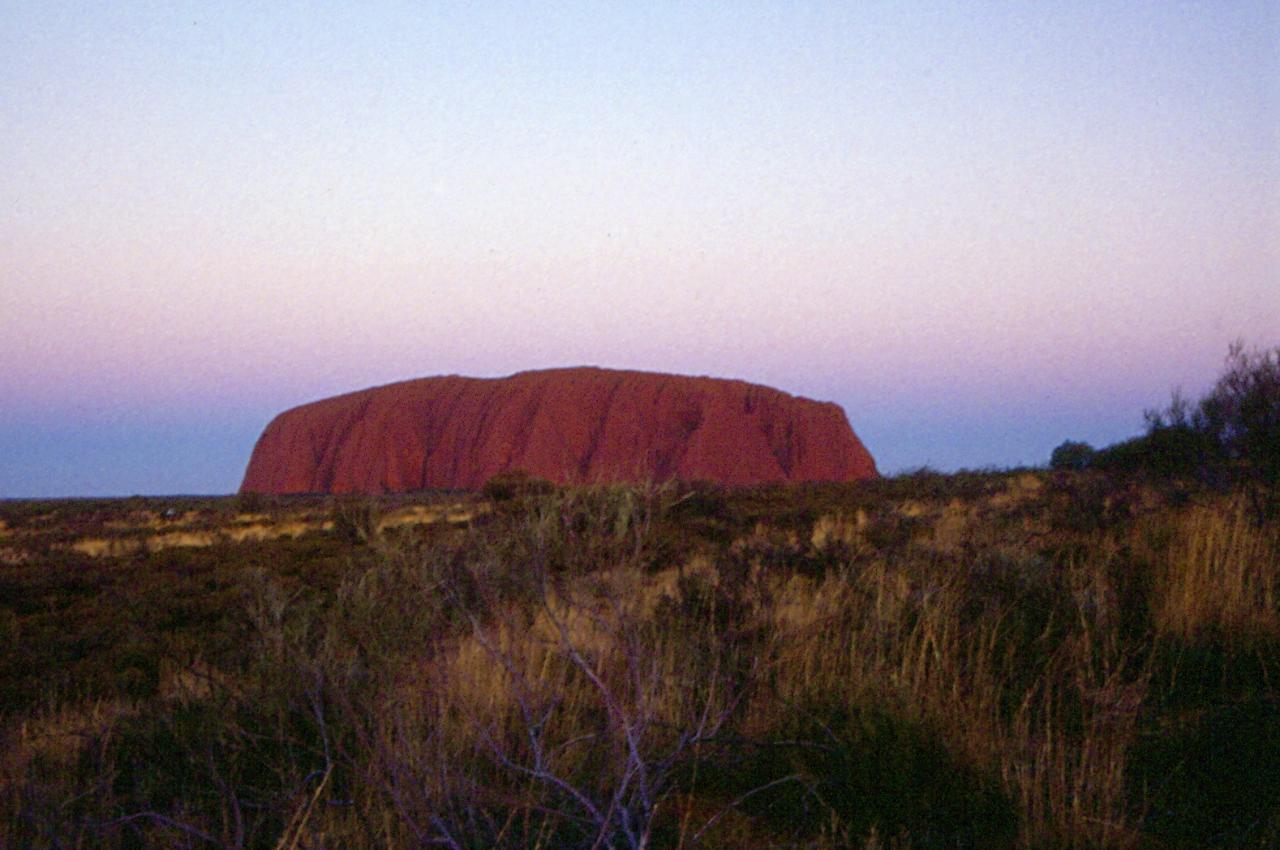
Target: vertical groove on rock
596, 434
568, 425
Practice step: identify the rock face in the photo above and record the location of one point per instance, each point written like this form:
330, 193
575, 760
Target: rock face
567, 425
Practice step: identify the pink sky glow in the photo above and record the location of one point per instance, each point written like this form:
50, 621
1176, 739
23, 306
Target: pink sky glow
981, 232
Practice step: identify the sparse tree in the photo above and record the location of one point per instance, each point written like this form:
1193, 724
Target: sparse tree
1241, 414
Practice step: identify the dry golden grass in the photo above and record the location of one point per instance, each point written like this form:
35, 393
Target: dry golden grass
59, 735
1222, 576
169, 540
553, 674
100, 547
886, 638
263, 531
844, 529
135, 532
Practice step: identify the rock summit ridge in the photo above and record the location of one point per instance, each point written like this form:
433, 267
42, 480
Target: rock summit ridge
568, 425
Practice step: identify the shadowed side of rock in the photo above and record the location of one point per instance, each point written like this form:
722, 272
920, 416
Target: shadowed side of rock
576, 425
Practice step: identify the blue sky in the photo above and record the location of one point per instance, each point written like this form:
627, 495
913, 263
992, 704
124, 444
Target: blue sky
981, 230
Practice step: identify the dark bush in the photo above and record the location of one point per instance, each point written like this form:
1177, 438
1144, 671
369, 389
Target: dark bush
1231, 434
1072, 455
355, 518
1241, 414
857, 769
1167, 451
1210, 757
516, 484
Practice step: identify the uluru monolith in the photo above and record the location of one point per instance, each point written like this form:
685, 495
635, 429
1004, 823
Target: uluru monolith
575, 425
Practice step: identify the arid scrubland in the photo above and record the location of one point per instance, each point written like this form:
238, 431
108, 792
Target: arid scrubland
1022, 660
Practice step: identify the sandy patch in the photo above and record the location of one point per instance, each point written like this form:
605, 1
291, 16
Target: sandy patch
413, 515
97, 547
181, 538
260, 531
455, 514
249, 527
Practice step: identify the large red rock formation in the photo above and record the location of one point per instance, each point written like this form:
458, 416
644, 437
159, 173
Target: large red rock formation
566, 425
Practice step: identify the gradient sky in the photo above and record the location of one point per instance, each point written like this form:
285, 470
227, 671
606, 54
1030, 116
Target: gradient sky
981, 229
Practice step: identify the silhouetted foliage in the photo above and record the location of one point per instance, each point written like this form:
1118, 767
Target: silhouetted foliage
1231, 434
1072, 455
1241, 414
1165, 450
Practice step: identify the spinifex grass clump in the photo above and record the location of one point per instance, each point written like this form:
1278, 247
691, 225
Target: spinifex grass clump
1222, 577
1021, 661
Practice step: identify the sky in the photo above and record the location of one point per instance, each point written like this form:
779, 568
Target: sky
982, 229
